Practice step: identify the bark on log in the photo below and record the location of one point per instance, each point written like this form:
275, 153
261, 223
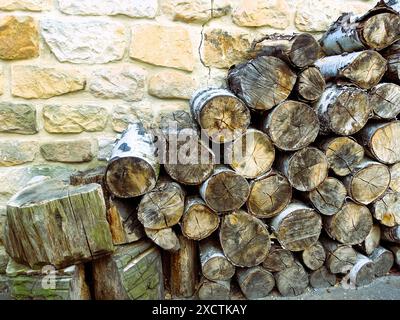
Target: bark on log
134, 167
255, 282
297, 227
53, 223
310, 84
164, 238
343, 110
4, 258
262, 83
292, 281
362, 273
322, 278
292, 125
221, 115
132, 272
383, 261
392, 55
314, 256
198, 221
278, 259
244, 239
214, 264
395, 249
269, 195
339, 258
225, 190
395, 177
214, 290
385, 100
391, 234
364, 69
95, 175
371, 241
387, 209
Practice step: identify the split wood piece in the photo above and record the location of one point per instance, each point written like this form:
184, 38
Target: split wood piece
392, 55
367, 182
383, 261
305, 169
354, 33
47, 283
364, 69
198, 221
385, 100
255, 282
221, 115
252, 154
382, 141
262, 83
297, 227
134, 167
339, 258
371, 241
225, 190
314, 256
343, 110
387, 209
292, 125
132, 272
269, 195
391, 234
163, 206
51, 222
395, 177
310, 84
343, 153
183, 265
278, 259
292, 281
214, 290
362, 273
214, 264
244, 239
329, 197
322, 278
164, 238
395, 249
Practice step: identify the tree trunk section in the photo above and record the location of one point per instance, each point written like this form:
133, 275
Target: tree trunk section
391, 234
392, 55
387, 209
371, 241
362, 273
385, 100
164, 238
214, 290
314, 256
278, 259
310, 84
322, 278
383, 261
395, 177
292, 281
395, 249
255, 282
339, 258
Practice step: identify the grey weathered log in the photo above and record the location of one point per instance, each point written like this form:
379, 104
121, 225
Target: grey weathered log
385, 100
322, 278
292, 125
314, 256
214, 290
395, 249
278, 259
164, 238
387, 209
383, 261
339, 258
310, 84
362, 273
4, 258
262, 83
255, 282
391, 234
292, 281
244, 239
395, 177
392, 55
371, 241
95, 175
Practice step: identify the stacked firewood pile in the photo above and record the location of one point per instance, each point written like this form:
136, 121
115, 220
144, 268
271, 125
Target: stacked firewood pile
296, 184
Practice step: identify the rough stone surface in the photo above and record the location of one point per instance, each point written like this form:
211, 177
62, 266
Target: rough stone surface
172, 84
34, 82
67, 151
80, 41
13, 153
19, 38
257, 13
163, 46
29, 5
105, 148
74, 119
123, 115
131, 8
17, 118
125, 82
199, 11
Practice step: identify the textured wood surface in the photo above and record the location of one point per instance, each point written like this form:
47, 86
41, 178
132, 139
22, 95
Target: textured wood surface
385, 100
164, 238
292, 281
371, 241
314, 256
387, 209
310, 84
383, 260
278, 259
322, 278
339, 258
214, 290
255, 282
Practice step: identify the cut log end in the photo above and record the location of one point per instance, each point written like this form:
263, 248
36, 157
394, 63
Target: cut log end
255, 282
164, 238
310, 84
383, 261
381, 30
387, 209
395, 177
214, 290
292, 281
385, 100
278, 259
305, 50
339, 258
322, 278
314, 256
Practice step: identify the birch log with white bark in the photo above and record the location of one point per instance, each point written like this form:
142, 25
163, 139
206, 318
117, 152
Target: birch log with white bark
362, 273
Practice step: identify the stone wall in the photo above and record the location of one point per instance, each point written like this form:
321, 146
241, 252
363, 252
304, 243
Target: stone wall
73, 73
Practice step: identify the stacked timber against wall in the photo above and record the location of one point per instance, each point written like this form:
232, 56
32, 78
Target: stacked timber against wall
310, 195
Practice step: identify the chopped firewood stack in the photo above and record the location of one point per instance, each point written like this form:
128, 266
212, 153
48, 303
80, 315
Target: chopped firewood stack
290, 179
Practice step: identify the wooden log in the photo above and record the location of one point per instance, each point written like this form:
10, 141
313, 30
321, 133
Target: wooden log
297, 227
292, 125
198, 221
225, 190
392, 55
343, 110
47, 283
383, 261
244, 239
305, 169
4, 259
51, 222
364, 69
391, 234
351, 225
183, 266
314, 256
371, 241
310, 84
133, 168
255, 282
381, 140
339, 258
262, 83
362, 273
252, 154
163, 206
387, 209
164, 238
214, 290
395, 249
329, 197
221, 115
269, 195
395, 177
132, 272
367, 182
322, 278
278, 259
343, 153
214, 264
385, 100
292, 281
95, 175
